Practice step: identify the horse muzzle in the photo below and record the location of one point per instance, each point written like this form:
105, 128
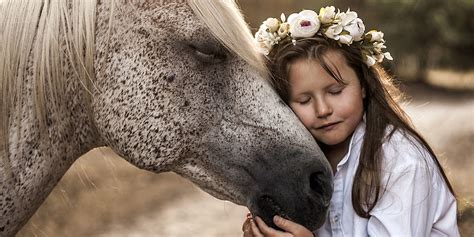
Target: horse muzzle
305, 203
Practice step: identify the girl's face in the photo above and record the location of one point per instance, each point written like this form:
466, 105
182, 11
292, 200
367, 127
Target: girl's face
329, 110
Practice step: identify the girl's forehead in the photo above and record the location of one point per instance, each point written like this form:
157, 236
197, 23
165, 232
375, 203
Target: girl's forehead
333, 58
330, 68
334, 61
309, 71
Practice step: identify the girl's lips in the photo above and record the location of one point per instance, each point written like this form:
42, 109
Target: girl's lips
328, 126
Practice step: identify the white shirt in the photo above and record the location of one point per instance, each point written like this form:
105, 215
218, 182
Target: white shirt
416, 202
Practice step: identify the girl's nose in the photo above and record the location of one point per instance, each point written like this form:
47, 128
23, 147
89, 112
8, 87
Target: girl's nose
323, 109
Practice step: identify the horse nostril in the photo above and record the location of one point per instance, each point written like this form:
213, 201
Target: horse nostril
315, 182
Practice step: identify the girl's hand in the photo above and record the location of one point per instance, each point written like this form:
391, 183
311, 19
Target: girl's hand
258, 228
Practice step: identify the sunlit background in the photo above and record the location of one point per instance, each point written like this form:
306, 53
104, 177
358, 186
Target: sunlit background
432, 44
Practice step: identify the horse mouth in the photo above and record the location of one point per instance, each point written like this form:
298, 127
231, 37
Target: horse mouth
270, 208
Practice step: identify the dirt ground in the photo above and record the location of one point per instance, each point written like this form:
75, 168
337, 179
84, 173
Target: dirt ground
102, 195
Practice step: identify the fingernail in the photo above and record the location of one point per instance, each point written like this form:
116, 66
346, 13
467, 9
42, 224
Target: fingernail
276, 219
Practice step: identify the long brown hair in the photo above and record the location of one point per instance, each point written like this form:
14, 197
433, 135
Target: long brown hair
380, 106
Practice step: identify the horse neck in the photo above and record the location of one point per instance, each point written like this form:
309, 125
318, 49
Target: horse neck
69, 133
38, 160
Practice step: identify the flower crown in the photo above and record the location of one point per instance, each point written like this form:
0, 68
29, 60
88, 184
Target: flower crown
343, 27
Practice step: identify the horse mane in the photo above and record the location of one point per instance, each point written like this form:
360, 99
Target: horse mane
31, 34
226, 22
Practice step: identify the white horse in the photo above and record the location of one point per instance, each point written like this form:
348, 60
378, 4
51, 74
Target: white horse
168, 85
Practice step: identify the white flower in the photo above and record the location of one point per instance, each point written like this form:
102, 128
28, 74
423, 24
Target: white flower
304, 24
263, 48
345, 39
333, 32
379, 57
265, 40
344, 18
343, 27
259, 35
356, 29
283, 30
272, 24
375, 36
370, 60
378, 46
271, 38
337, 17
262, 28
327, 14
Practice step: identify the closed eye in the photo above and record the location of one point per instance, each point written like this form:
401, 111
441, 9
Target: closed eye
304, 101
207, 53
336, 92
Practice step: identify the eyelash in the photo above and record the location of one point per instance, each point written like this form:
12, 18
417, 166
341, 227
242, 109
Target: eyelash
330, 92
305, 101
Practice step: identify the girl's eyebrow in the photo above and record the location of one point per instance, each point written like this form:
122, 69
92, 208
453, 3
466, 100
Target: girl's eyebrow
327, 87
333, 84
342, 85
303, 93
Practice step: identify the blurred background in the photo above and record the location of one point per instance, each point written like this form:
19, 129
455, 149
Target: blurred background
432, 45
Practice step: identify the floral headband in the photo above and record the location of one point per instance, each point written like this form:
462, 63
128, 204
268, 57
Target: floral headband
343, 27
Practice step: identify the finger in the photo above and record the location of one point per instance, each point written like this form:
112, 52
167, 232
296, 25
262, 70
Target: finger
291, 227
255, 230
247, 233
246, 228
266, 230
249, 215
246, 225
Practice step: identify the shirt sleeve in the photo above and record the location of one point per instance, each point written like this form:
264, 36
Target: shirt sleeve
415, 196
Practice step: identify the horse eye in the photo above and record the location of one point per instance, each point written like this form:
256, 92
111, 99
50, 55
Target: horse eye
204, 55
208, 53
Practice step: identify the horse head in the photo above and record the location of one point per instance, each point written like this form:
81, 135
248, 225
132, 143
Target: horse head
168, 85
176, 94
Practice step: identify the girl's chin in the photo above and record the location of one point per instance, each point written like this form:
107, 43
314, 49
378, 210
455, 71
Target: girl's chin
330, 141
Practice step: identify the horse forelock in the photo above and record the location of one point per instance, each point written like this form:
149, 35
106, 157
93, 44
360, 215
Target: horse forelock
226, 22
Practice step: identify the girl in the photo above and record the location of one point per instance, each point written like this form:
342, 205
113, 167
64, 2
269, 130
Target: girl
387, 179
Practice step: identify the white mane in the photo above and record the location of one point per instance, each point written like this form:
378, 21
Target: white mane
37, 41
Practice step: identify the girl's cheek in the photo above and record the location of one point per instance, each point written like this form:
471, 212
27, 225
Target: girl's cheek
305, 117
